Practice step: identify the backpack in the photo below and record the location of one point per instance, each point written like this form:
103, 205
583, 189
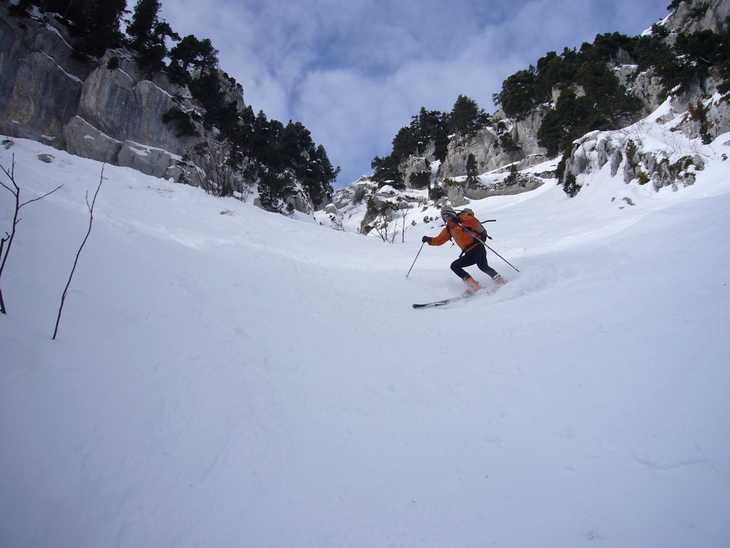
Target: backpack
480, 230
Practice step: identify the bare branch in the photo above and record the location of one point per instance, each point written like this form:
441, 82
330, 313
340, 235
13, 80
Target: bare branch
15, 191
6, 186
78, 253
11, 235
11, 176
41, 197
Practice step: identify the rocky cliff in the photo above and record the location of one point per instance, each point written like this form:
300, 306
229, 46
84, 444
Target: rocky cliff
700, 112
506, 148
100, 109
694, 16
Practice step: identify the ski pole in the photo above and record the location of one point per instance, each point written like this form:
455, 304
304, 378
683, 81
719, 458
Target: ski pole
485, 245
414, 260
500, 256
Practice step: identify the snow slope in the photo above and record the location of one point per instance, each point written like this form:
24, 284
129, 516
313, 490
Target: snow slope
228, 377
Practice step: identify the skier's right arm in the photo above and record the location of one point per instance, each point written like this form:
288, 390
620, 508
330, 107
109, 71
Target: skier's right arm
442, 238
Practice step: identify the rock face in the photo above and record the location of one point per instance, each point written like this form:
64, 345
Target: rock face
504, 142
512, 142
648, 87
87, 108
673, 166
123, 105
506, 147
119, 120
699, 113
712, 16
39, 92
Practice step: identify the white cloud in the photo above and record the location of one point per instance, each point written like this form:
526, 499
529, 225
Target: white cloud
355, 72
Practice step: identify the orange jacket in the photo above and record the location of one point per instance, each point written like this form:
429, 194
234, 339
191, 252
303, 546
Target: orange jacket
462, 238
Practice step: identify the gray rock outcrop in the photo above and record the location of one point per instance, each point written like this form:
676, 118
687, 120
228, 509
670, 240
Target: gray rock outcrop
39, 92
505, 142
113, 115
693, 16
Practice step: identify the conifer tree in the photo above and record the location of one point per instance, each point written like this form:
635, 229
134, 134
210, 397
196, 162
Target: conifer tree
101, 19
466, 116
147, 34
191, 54
472, 175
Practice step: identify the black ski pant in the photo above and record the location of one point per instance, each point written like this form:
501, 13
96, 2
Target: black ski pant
475, 256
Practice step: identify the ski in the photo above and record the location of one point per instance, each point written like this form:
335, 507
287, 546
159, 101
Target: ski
444, 302
451, 300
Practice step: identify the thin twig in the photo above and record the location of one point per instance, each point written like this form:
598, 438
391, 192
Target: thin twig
41, 197
9, 239
15, 191
78, 253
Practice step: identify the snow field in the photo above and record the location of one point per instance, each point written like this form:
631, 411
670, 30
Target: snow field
228, 377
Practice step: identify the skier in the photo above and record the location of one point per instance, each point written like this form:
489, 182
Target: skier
473, 252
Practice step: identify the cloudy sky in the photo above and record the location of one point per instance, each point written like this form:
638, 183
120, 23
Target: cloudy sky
355, 71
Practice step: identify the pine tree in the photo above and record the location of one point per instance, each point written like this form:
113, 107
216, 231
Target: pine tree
466, 116
102, 19
472, 174
191, 54
147, 34
518, 95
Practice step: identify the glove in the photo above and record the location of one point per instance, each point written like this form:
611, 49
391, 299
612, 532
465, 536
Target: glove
426, 240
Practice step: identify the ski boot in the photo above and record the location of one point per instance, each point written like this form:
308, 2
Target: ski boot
499, 281
472, 285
